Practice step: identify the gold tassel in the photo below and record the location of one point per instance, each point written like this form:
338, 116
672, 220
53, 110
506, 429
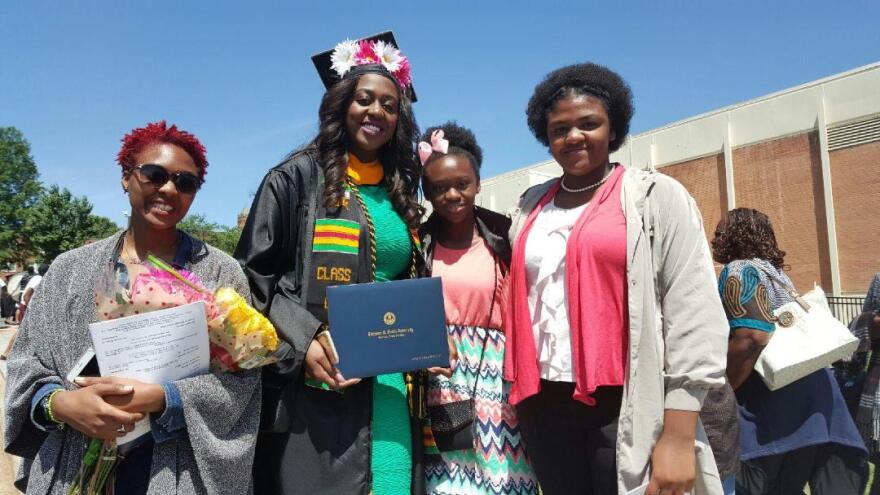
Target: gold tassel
409, 391
415, 394
423, 402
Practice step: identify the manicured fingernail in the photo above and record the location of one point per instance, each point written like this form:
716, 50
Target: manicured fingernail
79, 381
453, 363
338, 377
127, 388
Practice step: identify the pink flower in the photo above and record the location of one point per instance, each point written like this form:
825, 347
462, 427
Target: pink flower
139, 283
403, 76
170, 283
366, 54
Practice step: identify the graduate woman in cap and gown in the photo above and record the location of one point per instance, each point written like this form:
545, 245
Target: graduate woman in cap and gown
341, 210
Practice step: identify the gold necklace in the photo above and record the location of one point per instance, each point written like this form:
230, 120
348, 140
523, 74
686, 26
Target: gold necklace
126, 255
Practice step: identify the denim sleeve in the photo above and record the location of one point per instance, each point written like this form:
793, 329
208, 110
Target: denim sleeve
37, 417
171, 423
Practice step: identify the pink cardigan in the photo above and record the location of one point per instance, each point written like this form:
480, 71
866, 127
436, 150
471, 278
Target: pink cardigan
595, 277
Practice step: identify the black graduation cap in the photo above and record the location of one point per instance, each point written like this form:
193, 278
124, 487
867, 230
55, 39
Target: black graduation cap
329, 77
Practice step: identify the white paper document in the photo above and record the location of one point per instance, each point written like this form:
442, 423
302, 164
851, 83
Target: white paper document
640, 490
156, 347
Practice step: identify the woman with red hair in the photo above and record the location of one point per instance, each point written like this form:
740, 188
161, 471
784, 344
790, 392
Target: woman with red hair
204, 427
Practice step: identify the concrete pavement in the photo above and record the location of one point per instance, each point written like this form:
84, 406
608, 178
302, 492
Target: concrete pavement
8, 463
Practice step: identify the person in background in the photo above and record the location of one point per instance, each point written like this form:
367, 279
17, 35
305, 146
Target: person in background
614, 330
7, 310
720, 417
866, 327
7, 303
466, 246
344, 204
799, 434
22, 284
203, 429
7, 314
32, 285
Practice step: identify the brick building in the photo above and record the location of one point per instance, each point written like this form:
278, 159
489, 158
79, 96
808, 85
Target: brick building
808, 156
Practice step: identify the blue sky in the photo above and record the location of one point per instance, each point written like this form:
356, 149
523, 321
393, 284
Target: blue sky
76, 76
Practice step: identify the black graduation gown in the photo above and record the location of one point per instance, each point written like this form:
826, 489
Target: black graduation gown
311, 441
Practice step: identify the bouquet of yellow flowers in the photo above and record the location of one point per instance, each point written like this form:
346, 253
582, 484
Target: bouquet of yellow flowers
241, 338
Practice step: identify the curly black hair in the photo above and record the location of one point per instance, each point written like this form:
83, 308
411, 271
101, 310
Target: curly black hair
402, 171
582, 79
462, 142
745, 233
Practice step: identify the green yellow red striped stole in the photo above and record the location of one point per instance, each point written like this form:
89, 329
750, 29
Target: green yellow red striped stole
336, 235
430, 445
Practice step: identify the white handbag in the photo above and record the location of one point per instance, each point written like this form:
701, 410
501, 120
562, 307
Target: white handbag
807, 338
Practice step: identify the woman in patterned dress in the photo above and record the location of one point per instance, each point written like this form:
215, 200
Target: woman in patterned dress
467, 247
799, 434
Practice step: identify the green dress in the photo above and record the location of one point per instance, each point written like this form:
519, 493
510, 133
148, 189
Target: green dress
391, 459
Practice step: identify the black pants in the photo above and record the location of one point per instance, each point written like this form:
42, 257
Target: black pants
572, 446
829, 469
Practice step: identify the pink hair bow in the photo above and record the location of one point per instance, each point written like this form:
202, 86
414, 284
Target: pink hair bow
438, 144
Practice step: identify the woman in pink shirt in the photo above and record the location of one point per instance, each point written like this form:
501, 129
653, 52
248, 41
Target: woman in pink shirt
478, 442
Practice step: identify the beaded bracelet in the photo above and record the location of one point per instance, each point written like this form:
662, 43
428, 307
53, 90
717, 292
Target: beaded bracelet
49, 413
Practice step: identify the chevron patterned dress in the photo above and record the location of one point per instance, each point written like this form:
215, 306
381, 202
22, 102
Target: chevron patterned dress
499, 464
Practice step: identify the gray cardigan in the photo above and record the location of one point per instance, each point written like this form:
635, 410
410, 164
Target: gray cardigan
221, 410
677, 327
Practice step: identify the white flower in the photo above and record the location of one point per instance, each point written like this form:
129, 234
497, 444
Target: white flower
389, 55
343, 57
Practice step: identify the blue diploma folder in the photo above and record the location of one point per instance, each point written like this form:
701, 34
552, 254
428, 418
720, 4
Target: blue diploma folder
388, 327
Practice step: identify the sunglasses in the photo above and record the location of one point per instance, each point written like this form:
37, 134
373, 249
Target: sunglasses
158, 176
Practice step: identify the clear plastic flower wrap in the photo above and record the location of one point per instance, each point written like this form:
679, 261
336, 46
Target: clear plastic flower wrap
241, 338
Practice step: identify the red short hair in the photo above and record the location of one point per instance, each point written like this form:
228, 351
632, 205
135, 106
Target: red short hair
158, 132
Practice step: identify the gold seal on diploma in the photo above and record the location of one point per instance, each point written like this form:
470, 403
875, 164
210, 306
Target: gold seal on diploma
390, 318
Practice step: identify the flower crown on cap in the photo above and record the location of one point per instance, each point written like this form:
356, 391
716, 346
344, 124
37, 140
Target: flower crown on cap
349, 54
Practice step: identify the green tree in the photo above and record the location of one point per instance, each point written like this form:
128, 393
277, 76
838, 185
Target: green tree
19, 189
219, 236
59, 222
102, 227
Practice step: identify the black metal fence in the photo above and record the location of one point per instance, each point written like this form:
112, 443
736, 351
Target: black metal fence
845, 308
